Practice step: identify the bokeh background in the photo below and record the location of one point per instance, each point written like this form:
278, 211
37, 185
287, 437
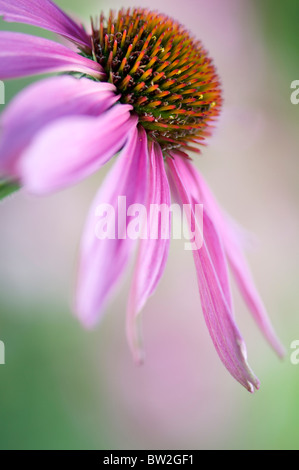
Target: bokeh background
66, 388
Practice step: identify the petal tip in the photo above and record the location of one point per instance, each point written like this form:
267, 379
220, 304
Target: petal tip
140, 359
86, 319
280, 350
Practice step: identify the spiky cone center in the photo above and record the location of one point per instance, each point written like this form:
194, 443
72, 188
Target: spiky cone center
162, 71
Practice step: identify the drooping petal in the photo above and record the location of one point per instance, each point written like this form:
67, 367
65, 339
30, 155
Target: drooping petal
235, 256
44, 14
72, 148
219, 263
103, 261
22, 55
42, 103
226, 337
153, 248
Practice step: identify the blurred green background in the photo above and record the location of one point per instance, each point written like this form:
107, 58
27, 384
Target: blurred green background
66, 388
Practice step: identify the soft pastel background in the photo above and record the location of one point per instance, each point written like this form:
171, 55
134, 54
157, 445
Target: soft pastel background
65, 388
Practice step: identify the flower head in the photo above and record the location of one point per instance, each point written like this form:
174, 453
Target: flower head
141, 85
162, 71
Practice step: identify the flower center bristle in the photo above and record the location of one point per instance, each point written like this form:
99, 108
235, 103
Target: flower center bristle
160, 70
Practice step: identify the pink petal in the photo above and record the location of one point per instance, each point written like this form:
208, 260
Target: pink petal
220, 264
45, 14
22, 55
226, 337
102, 262
153, 253
233, 249
72, 148
40, 104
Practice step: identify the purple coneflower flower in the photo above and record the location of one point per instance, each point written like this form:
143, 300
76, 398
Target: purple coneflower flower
141, 85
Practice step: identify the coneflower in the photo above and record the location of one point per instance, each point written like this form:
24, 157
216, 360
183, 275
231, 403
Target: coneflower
142, 86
